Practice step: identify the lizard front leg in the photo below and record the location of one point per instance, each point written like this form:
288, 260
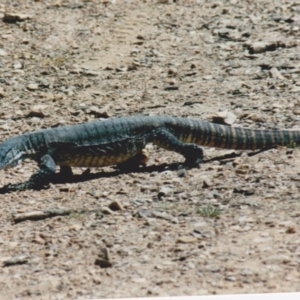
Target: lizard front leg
37, 180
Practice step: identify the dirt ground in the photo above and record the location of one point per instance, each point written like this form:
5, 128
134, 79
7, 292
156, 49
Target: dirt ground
230, 227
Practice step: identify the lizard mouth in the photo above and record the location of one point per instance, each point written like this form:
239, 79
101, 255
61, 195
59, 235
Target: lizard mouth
12, 164
17, 160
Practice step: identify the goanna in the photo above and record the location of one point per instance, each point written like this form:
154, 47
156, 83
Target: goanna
117, 140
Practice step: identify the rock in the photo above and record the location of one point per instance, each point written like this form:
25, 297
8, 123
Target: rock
230, 278
174, 221
17, 65
2, 93
186, 240
5, 126
277, 259
143, 213
32, 86
115, 205
295, 89
171, 88
97, 193
140, 37
134, 51
207, 182
11, 17
107, 211
242, 169
39, 239
172, 72
276, 74
15, 260
245, 219
276, 105
288, 224
270, 222
246, 272
138, 280
89, 73
122, 69
181, 172
74, 69
164, 191
162, 215
285, 19
244, 190
75, 227
263, 46
213, 268
39, 111
100, 113
97, 279
33, 215
225, 117
296, 110
207, 77
201, 224
3, 52
257, 47
291, 230
103, 259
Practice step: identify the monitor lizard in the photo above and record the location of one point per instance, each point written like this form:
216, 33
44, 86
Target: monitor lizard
117, 140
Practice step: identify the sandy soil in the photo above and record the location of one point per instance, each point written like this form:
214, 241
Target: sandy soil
230, 227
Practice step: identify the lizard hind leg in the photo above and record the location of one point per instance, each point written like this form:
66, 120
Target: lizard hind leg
192, 153
134, 162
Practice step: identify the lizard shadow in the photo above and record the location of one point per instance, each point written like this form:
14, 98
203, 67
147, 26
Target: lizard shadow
86, 176
59, 178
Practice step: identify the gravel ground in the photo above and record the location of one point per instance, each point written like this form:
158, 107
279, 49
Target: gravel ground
230, 227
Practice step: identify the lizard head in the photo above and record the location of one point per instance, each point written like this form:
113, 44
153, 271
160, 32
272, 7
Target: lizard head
11, 153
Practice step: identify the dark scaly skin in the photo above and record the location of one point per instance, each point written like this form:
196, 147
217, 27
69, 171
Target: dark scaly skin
121, 141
